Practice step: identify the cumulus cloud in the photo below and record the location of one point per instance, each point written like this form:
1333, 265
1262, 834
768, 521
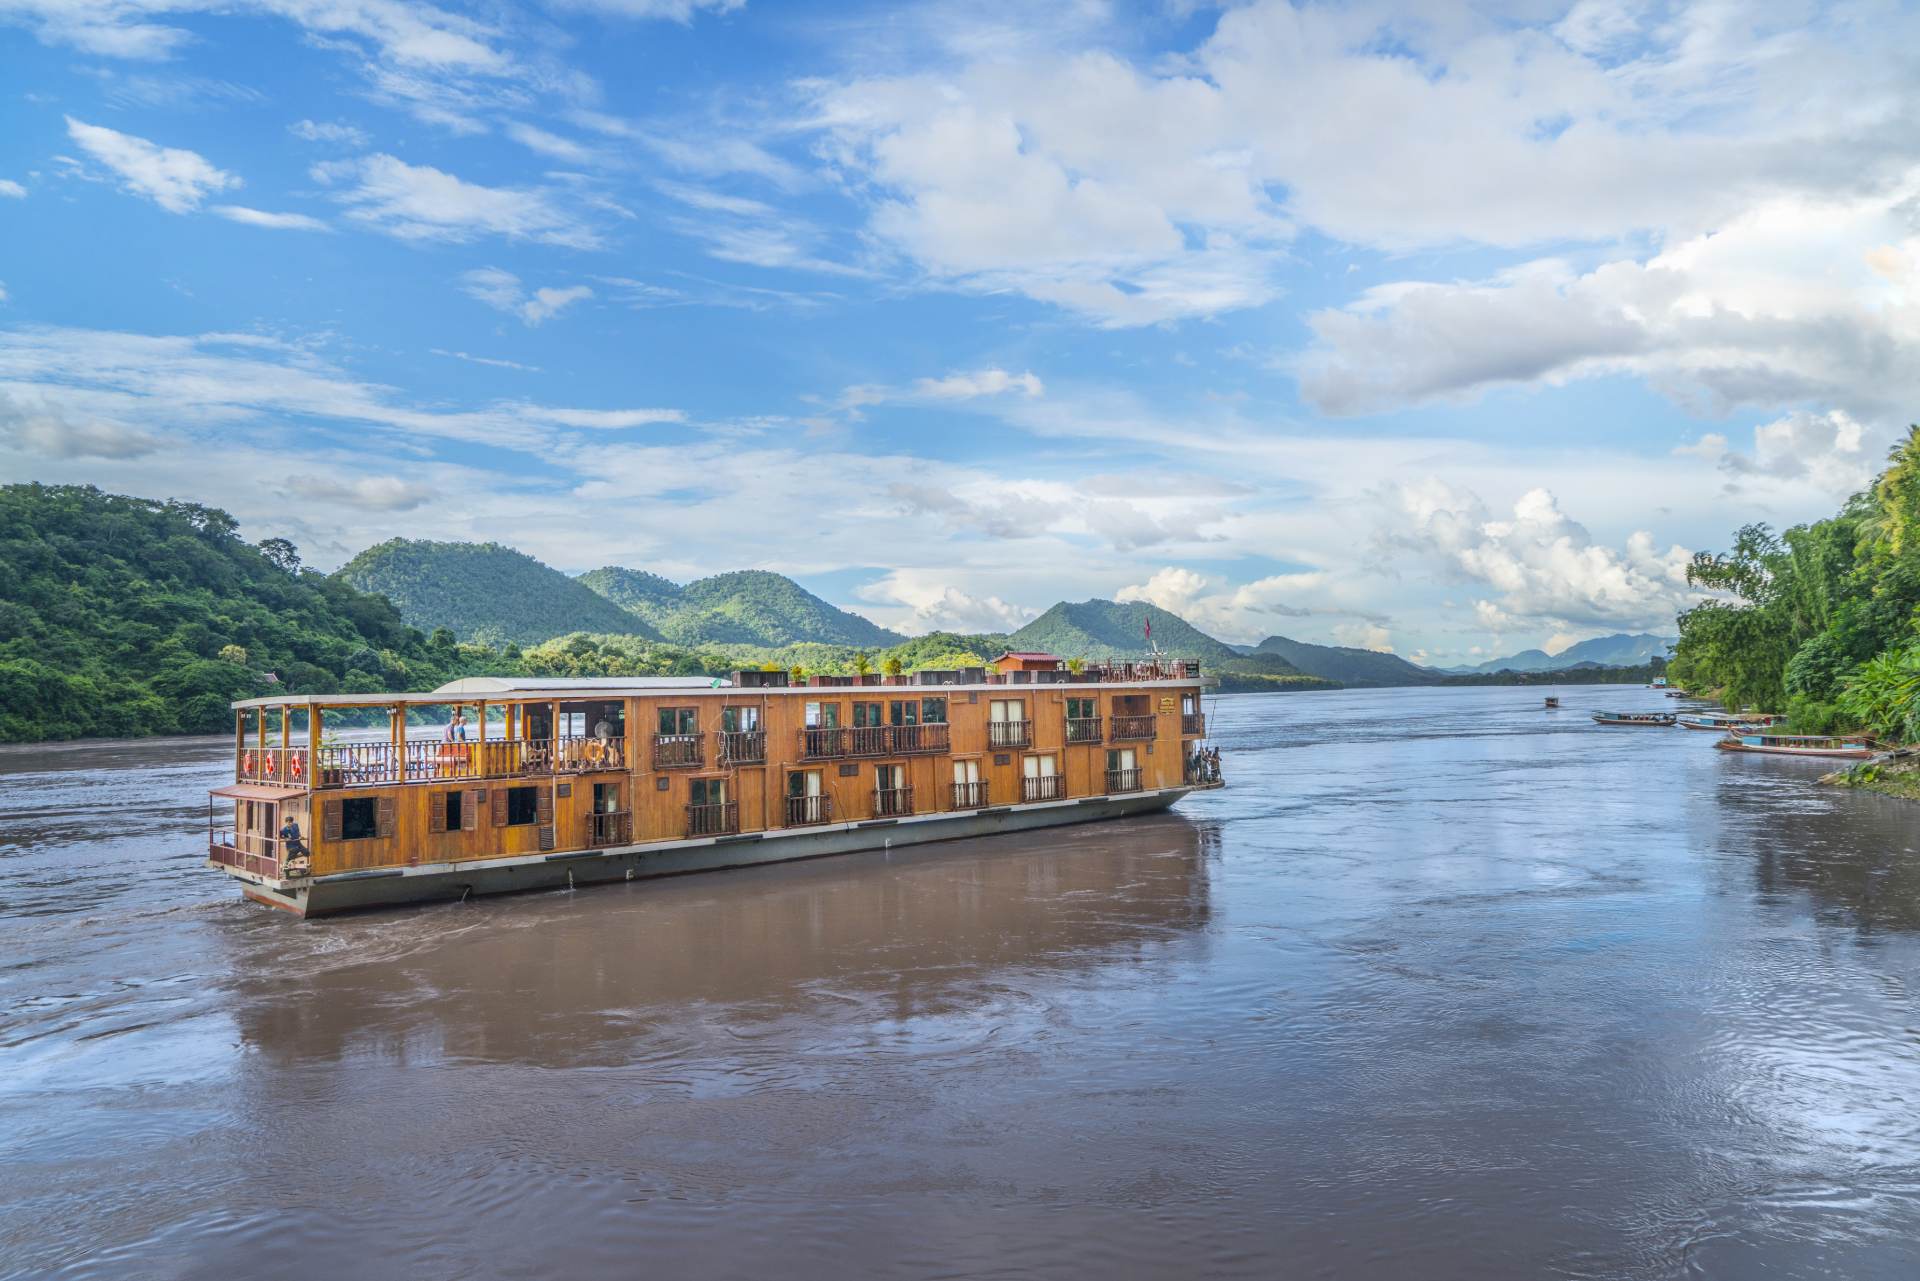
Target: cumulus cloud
1248, 612
175, 179
36, 425
934, 605
366, 493
12, 190
502, 290
419, 202
1825, 450
953, 388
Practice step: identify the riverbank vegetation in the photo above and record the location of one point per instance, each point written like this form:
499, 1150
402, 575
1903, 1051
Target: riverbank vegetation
1821, 621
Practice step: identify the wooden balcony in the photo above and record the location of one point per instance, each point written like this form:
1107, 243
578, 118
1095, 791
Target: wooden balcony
891, 802
969, 796
255, 853
1193, 725
435, 760
807, 811
713, 820
1050, 787
679, 751
613, 827
906, 740
1083, 729
1009, 733
868, 740
1133, 729
743, 747
823, 742
1123, 780
285, 766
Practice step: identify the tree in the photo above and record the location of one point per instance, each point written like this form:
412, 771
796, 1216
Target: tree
235, 654
892, 667
283, 554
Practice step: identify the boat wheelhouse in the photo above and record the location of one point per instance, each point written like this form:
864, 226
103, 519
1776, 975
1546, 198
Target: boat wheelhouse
493, 785
1633, 718
1844, 747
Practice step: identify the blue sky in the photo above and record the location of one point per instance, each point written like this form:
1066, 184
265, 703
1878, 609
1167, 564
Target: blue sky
1446, 330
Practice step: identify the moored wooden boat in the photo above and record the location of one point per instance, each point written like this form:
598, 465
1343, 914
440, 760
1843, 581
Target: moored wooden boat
1849, 747
1729, 722
1633, 718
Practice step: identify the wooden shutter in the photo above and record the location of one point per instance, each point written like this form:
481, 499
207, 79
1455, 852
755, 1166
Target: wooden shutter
545, 806
330, 820
470, 809
437, 812
385, 818
499, 807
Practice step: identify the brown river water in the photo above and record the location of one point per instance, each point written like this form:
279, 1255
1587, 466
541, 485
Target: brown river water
1442, 986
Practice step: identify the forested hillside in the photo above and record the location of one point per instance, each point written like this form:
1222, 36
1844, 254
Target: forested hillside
1820, 620
1347, 665
754, 607
1107, 629
485, 593
125, 616
650, 596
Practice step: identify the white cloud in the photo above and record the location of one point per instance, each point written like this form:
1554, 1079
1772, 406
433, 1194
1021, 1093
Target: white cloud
45, 428
276, 221
1364, 636
502, 290
335, 132
681, 11
419, 202
606, 419
939, 606
549, 144
1824, 450
984, 382
367, 493
12, 190
172, 178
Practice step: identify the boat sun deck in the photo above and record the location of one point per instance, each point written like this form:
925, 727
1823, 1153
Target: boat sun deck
492, 784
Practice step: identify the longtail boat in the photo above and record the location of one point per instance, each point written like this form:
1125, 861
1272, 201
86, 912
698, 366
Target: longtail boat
1633, 718
1850, 747
558, 782
1729, 722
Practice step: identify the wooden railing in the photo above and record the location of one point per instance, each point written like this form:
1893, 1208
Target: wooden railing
431, 760
908, 739
970, 796
1132, 728
1123, 780
891, 801
252, 852
609, 827
580, 755
722, 819
287, 766
743, 747
1083, 729
1048, 787
1009, 733
805, 811
1193, 724
868, 740
823, 742
679, 751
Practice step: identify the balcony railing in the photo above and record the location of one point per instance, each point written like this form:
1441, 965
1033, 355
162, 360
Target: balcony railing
1083, 729
805, 811
868, 740
253, 852
1047, 787
1132, 728
822, 742
1193, 725
970, 796
1009, 733
433, 760
722, 819
679, 751
891, 801
743, 747
908, 739
287, 766
1123, 780
613, 827
580, 755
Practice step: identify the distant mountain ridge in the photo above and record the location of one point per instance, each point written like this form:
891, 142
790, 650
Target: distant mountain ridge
1348, 665
1622, 649
1110, 629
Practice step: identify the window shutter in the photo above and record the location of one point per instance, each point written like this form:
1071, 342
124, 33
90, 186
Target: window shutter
544, 806
470, 809
499, 807
330, 820
546, 837
385, 819
437, 812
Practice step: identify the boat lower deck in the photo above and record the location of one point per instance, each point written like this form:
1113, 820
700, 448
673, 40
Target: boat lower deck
348, 891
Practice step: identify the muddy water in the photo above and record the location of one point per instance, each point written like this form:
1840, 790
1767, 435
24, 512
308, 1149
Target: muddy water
1443, 986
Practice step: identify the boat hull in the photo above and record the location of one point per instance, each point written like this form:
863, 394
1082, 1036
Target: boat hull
1663, 723
1838, 753
387, 887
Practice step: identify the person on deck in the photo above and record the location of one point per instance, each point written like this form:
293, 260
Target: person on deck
291, 846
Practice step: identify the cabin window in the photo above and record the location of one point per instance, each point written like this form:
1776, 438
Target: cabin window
523, 806
1189, 704
606, 798
867, 714
1082, 709
709, 791
1121, 759
1011, 709
803, 783
904, 711
933, 711
1042, 766
889, 778
823, 716
739, 720
966, 772
456, 811
359, 818
573, 725
679, 720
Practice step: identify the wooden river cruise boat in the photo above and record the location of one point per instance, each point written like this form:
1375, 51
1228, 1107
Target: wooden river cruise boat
556, 782
1844, 747
1633, 718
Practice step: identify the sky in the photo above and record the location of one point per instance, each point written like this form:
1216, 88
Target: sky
1444, 329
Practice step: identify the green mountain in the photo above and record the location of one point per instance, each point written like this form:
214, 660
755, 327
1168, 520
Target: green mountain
754, 607
484, 592
1622, 649
127, 616
1107, 629
1348, 666
650, 596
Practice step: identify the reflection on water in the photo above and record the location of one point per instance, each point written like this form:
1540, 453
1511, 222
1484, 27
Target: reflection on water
1442, 986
